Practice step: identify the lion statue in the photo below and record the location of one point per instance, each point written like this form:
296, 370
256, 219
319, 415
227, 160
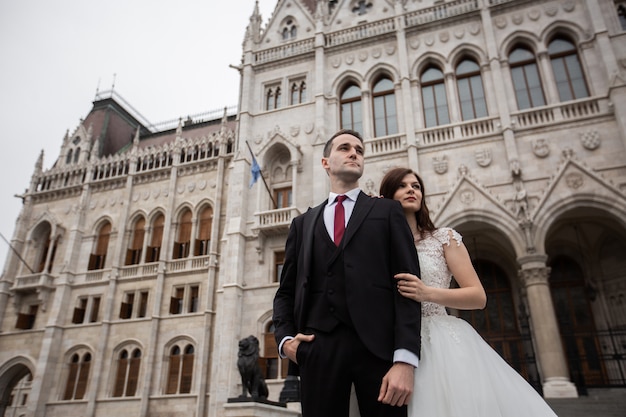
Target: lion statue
252, 380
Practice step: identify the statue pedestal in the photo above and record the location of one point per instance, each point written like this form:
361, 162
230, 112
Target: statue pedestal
246, 407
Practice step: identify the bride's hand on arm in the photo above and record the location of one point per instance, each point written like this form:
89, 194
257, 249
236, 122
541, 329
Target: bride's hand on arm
410, 286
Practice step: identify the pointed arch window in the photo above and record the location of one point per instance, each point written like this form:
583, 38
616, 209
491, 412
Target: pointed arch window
471, 91
203, 240
290, 31
351, 112
68, 158
77, 377
568, 73
180, 370
298, 92
384, 104
183, 239
133, 253
44, 244
76, 155
526, 80
434, 99
154, 249
273, 97
98, 258
621, 14
127, 375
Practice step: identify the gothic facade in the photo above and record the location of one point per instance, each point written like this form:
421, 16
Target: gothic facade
145, 253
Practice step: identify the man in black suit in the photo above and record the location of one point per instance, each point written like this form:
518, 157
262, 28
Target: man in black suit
337, 312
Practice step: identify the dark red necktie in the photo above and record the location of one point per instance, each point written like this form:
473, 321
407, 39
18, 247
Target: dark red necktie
340, 219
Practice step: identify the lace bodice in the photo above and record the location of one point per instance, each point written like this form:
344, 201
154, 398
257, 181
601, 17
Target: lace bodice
433, 266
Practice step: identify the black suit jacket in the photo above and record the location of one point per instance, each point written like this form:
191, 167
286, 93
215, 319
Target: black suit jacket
376, 245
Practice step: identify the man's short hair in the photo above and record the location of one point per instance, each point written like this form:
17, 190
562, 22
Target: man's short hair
329, 143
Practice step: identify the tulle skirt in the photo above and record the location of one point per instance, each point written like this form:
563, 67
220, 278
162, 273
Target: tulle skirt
460, 375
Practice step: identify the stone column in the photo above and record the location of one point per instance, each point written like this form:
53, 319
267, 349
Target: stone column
550, 353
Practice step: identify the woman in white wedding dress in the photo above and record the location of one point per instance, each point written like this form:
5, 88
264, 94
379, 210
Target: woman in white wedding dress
459, 374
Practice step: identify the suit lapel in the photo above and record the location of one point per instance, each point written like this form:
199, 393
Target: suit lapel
309, 230
362, 207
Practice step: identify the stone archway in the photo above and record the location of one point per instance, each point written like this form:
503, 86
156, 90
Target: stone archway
15, 376
586, 255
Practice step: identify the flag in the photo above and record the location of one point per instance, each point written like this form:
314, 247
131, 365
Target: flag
255, 171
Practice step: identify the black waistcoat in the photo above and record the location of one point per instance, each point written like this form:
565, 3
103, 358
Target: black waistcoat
327, 286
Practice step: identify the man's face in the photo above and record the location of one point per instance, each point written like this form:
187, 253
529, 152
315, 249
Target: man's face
346, 158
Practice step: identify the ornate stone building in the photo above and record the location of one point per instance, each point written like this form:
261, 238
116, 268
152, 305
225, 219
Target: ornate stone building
146, 252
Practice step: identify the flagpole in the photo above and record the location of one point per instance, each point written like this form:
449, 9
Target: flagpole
263, 178
17, 254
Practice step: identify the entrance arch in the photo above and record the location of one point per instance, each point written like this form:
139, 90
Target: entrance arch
16, 373
586, 248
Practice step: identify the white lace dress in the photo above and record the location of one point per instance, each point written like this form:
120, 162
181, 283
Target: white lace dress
459, 374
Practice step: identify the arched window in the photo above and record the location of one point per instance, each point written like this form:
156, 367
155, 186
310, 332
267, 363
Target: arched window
471, 91
180, 370
351, 113
43, 243
273, 98
154, 249
98, 257
272, 366
77, 377
289, 30
127, 375
204, 232
621, 14
76, 155
133, 253
384, 104
68, 158
570, 80
434, 99
181, 245
526, 81
298, 92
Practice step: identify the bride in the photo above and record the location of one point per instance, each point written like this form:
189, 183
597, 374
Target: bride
459, 374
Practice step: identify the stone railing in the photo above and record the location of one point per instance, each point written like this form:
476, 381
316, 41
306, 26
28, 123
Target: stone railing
134, 271
561, 112
363, 31
274, 221
33, 282
284, 51
470, 129
188, 264
440, 11
385, 145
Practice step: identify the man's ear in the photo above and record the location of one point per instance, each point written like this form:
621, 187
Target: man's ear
325, 163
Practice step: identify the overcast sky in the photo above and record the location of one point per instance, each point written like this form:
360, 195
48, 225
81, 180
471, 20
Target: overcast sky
170, 59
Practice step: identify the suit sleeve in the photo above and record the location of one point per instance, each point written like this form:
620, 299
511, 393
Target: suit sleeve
284, 315
408, 313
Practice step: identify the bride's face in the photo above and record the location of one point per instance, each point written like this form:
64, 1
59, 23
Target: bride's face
409, 194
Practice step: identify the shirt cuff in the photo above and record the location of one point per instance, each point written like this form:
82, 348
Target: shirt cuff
403, 355
280, 347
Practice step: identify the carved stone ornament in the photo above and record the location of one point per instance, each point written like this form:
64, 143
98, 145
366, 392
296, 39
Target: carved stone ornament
377, 52
483, 157
541, 148
467, 197
440, 164
350, 59
574, 180
414, 43
590, 139
463, 170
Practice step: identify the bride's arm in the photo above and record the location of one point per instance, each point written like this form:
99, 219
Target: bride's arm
469, 296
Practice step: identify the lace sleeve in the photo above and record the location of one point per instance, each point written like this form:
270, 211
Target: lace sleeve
444, 234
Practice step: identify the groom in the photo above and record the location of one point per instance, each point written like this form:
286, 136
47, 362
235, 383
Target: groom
337, 312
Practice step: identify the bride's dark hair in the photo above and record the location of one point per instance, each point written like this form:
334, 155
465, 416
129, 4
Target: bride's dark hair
390, 184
